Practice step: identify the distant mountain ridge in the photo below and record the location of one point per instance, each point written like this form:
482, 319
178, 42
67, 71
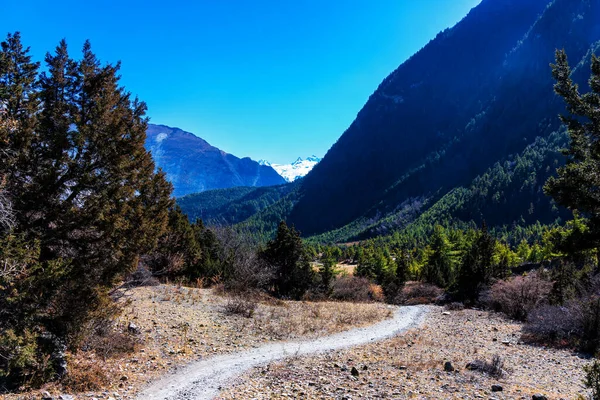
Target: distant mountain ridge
192, 165
297, 169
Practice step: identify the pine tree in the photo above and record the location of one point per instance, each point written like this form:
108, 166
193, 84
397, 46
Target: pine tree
19, 105
286, 255
476, 268
178, 252
327, 273
402, 268
576, 185
439, 269
83, 187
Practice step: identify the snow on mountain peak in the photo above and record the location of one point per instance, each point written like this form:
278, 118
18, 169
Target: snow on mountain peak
295, 170
161, 136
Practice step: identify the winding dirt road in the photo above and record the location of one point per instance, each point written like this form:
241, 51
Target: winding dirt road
203, 379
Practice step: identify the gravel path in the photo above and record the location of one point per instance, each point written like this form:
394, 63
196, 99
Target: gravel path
203, 379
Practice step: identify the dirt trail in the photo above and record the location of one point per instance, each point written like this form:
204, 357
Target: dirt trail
203, 379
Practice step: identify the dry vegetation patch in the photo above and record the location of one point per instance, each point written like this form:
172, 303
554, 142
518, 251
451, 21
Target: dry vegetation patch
412, 366
166, 326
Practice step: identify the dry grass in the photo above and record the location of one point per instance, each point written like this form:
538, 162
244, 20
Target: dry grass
295, 319
345, 269
177, 325
86, 373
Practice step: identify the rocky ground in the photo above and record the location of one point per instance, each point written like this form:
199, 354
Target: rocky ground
172, 326
412, 366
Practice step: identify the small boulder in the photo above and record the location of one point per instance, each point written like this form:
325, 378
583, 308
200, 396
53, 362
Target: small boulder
66, 397
448, 367
365, 368
538, 397
47, 396
133, 328
354, 371
497, 388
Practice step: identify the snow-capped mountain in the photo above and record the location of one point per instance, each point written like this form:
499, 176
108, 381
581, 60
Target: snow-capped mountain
295, 170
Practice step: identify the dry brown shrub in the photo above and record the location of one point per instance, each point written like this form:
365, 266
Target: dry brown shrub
494, 368
85, 374
419, 293
244, 306
355, 289
376, 293
111, 344
518, 296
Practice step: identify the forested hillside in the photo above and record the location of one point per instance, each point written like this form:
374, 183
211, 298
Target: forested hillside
466, 130
233, 205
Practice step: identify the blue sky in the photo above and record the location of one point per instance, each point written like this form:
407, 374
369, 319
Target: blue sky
271, 79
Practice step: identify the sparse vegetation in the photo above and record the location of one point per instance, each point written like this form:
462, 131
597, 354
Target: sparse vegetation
520, 295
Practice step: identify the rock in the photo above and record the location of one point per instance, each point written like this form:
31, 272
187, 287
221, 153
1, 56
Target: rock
354, 371
446, 313
133, 328
476, 365
448, 367
124, 378
365, 368
66, 397
47, 396
497, 388
402, 367
538, 397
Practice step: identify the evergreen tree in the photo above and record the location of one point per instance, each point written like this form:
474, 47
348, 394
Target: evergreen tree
178, 252
402, 268
286, 255
576, 185
19, 105
327, 273
476, 268
83, 187
439, 269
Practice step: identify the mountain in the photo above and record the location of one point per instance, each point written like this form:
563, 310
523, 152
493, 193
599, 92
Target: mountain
464, 131
295, 170
478, 94
192, 165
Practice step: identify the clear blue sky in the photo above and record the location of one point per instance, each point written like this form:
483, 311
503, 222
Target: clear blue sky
272, 79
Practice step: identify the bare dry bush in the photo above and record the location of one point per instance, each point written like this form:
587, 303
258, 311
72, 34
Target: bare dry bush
494, 368
141, 277
419, 293
85, 374
243, 269
164, 264
239, 305
355, 289
518, 296
556, 323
